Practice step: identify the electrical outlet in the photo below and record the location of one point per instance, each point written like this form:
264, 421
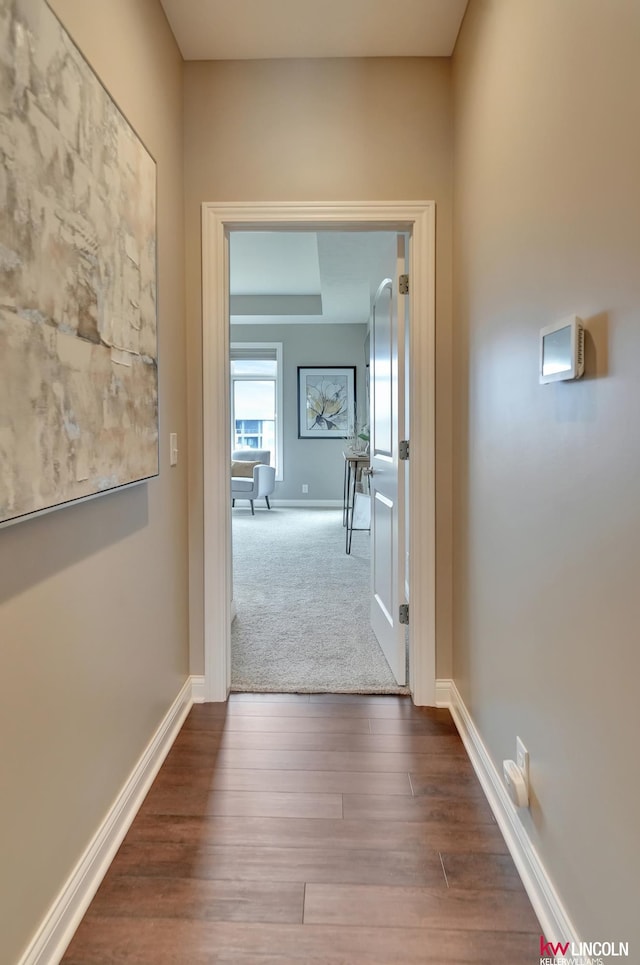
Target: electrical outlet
522, 759
305, 487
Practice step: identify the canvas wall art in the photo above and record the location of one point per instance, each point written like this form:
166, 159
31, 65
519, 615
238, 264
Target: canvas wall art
326, 401
78, 332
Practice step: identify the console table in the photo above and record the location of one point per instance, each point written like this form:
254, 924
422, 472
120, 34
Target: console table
354, 463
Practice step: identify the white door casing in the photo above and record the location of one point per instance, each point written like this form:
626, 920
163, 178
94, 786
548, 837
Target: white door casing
386, 475
417, 218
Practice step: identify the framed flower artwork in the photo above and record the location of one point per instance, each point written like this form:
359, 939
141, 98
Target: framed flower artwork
326, 401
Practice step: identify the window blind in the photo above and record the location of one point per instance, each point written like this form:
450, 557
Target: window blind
239, 354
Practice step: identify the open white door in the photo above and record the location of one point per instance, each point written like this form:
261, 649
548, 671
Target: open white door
386, 474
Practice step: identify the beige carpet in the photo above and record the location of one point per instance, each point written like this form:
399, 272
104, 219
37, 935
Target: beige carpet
302, 621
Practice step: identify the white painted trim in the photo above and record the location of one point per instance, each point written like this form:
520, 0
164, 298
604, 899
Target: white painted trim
443, 692
554, 919
217, 576
422, 461
58, 927
197, 688
416, 217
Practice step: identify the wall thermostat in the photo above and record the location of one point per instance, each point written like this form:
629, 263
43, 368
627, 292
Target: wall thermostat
562, 350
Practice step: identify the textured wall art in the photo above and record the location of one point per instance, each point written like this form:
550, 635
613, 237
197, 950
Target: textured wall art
78, 342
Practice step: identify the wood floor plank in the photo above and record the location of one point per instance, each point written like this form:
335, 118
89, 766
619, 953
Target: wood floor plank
284, 725
121, 941
188, 800
400, 707
446, 763
304, 833
477, 871
357, 699
252, 779
387, 807
261, 698
408, 907
463, 786
293, 740
198, 738
388, 744
206, 711
204, 742
199, 898
432, 713
324, 864
413, 726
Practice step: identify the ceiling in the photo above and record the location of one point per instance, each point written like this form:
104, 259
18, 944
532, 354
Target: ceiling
259, 29
307, 277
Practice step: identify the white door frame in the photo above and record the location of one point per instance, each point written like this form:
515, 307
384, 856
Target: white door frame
417, 217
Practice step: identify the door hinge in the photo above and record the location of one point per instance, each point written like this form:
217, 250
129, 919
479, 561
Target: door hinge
403, 616
403, 449
403, 284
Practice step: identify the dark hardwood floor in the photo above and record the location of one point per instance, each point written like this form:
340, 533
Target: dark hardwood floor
318, 829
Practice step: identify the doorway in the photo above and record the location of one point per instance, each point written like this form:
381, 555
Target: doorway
418, 219
300, 352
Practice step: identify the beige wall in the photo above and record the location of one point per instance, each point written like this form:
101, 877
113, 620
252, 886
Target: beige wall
546, 508
319, 130
93, 598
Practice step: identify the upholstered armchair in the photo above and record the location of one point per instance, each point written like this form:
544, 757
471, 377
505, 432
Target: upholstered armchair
251, 476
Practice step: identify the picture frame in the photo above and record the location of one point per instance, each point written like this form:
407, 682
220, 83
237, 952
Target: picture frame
79, 317
326, 401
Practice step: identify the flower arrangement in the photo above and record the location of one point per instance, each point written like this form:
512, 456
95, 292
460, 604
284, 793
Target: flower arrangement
359, 436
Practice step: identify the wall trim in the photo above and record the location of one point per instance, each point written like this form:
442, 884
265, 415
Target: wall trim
554, 919
197, 688
443, 692
218, 219
61, 921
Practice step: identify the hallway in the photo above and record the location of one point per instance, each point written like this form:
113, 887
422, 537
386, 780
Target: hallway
316, 829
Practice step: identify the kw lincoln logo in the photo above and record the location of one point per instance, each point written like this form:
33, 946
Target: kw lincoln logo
581, 953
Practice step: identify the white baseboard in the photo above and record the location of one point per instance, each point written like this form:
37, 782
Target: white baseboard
57, 929
197, 689
308, 503
554, 919
443, 693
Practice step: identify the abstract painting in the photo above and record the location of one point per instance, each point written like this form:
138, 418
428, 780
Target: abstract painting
326, 401
78, 331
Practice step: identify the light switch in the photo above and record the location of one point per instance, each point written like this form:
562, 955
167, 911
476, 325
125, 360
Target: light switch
173, 448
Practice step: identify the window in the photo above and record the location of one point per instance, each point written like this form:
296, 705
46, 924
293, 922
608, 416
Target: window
256, 398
